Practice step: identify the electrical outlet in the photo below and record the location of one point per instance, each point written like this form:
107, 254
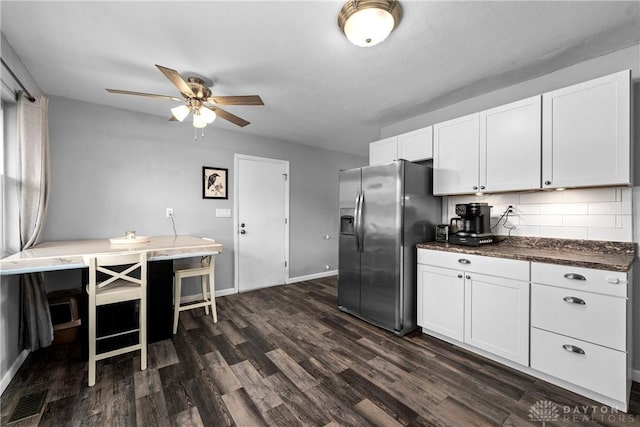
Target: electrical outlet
169, 212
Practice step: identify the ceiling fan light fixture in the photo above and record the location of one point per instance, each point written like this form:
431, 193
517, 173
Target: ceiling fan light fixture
199, 121
368, 22
181, 112
208, 115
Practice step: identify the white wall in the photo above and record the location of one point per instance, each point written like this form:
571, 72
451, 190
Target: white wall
628, 58
114, 170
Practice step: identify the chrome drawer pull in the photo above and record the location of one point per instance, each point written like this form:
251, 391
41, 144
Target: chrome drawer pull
574, 300
575, 276
464, 261
573, 349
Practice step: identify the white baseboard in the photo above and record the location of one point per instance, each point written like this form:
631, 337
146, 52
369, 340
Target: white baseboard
8, 376
231, 291
224, 292
311, 276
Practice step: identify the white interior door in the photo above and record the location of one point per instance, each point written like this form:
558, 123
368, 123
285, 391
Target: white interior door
261, 222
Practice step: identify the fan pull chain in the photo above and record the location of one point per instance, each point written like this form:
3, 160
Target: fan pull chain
195, 134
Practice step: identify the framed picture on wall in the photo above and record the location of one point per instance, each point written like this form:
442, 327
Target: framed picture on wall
215, 182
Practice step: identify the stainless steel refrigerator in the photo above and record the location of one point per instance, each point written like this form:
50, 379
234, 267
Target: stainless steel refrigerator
385, 210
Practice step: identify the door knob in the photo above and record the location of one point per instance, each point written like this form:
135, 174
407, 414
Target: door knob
243, 231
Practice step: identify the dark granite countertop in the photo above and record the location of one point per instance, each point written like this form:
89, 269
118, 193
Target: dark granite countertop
615, 256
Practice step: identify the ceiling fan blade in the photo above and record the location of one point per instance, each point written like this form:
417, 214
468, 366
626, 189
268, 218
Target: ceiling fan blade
236, 100
173, 119
228, 116
177, 80
151, 95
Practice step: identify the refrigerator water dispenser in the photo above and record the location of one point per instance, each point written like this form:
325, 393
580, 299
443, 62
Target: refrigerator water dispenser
346, 224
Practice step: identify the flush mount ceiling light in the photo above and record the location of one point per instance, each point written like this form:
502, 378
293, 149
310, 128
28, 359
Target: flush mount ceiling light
368, 22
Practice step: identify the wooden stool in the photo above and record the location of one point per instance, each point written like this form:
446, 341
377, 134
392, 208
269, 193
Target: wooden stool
204, 268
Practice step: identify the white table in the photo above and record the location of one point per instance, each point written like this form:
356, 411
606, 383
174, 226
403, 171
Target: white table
162, 250
68, 254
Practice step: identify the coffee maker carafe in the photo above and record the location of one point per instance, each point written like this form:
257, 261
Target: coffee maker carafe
472, 226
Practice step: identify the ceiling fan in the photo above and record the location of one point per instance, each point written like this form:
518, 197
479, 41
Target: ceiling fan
197, 99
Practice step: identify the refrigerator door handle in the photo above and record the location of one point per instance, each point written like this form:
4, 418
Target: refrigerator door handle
361, 221
356, 222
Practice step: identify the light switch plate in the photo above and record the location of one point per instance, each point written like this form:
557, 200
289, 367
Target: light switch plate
223, 213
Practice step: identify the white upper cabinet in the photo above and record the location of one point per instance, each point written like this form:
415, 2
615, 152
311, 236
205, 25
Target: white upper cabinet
586, 133
510, 146
416, 145
412, 146
456, 150
495, 150
383, 151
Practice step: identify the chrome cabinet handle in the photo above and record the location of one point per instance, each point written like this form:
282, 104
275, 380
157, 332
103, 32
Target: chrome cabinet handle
613, 280
573, 349
459, 276
464, 261
468, 277
574, 276
482, 187
475, 187
547, 183
243, 231
575, 300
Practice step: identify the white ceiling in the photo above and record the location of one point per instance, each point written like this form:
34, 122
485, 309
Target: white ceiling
318, 89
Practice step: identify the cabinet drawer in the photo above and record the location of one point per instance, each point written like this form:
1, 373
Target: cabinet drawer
599, 319
584, 279
596, 368
501, 267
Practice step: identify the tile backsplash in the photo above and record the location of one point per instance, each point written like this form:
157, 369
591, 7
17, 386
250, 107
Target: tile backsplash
592, 214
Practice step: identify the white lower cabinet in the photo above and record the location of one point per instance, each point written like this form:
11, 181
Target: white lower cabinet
441, 300
568, 325
580, 328
497, 316
587, 365
473, 304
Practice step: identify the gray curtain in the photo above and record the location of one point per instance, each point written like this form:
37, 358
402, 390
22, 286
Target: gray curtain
35, 182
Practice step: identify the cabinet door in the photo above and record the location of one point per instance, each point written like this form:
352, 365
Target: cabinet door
456, 145
510, 146
383, 151
586, 133
497, 316
416, 145
441, 301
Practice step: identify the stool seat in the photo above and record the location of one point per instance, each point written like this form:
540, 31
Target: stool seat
203, 267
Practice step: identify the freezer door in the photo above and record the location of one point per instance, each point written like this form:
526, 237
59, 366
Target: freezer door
348, 253
381, 276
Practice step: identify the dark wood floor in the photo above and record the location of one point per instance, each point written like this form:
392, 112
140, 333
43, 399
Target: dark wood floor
285, 356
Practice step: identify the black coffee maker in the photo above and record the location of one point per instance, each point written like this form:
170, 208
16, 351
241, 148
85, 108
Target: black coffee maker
472, 227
